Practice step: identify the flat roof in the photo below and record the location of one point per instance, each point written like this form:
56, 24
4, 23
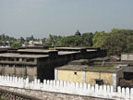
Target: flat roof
79, 62
71, 47
67, 52
128, 69
17, 55
89, 68
36, 50
88, 50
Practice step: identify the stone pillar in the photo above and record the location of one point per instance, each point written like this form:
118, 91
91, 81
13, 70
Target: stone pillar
56, 74
114, 81
84, 77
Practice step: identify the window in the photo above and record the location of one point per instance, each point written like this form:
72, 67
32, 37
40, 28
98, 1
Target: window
75, 73
99, 81
30, 60
17, 59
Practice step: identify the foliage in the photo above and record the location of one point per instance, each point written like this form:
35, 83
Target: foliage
2, 99
4, 37
76, 40
31, 38
15, 44
53, 39
87, 39
99, 39
47, 43
119, 41
116, 42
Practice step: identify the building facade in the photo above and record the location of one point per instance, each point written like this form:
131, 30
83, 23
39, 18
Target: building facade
90, 75
127, 57
40, 63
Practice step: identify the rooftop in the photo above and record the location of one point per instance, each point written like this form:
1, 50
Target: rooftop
67, 52
128, 69
79, 62
36, 50
21, 55
71, 48
89, 68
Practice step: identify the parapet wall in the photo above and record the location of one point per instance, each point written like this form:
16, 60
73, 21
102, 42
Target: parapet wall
72, 88
26, 94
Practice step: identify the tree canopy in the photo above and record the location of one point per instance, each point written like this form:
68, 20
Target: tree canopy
116, 41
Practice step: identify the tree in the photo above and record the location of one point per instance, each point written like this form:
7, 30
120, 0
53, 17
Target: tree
22, 40
119, 41
87, 39
15, 44
53, 39
73, 40
99, 39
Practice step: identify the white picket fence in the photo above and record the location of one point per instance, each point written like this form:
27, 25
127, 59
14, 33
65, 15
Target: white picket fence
84, 89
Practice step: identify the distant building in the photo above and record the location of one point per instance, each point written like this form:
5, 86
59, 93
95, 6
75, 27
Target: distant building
91, 75
33, 44
5, 44
77, 33
127, 57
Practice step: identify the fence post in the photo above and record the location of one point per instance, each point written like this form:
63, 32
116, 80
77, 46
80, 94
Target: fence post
131, 93
123, 92
119, 91
127, 92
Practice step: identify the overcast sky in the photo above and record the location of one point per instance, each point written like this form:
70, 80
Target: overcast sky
63, 17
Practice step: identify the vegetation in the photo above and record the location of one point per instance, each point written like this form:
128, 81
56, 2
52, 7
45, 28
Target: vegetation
116, 41
2, 99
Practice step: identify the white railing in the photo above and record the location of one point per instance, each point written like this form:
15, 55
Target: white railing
84, 89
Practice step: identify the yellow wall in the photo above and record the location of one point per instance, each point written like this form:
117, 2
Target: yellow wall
91, 76
70, 76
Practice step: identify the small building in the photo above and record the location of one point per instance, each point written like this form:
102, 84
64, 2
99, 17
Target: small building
127, 80
90, 75
127, 57
128, 73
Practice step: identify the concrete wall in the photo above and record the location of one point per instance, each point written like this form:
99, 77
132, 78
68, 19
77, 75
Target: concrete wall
92, 76
21, 71
69, 75
119, 76
127, 57
72, 76
89, 77
64, 87
23, 94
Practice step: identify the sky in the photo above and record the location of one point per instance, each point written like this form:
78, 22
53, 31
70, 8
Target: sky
63, 17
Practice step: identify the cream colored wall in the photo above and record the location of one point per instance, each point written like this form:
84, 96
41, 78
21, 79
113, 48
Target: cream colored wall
70, 76
91, 76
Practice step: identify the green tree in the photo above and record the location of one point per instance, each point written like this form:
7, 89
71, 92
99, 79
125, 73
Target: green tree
99, 39
119, 41
15, 44
87, 39
53, 39
73, 40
